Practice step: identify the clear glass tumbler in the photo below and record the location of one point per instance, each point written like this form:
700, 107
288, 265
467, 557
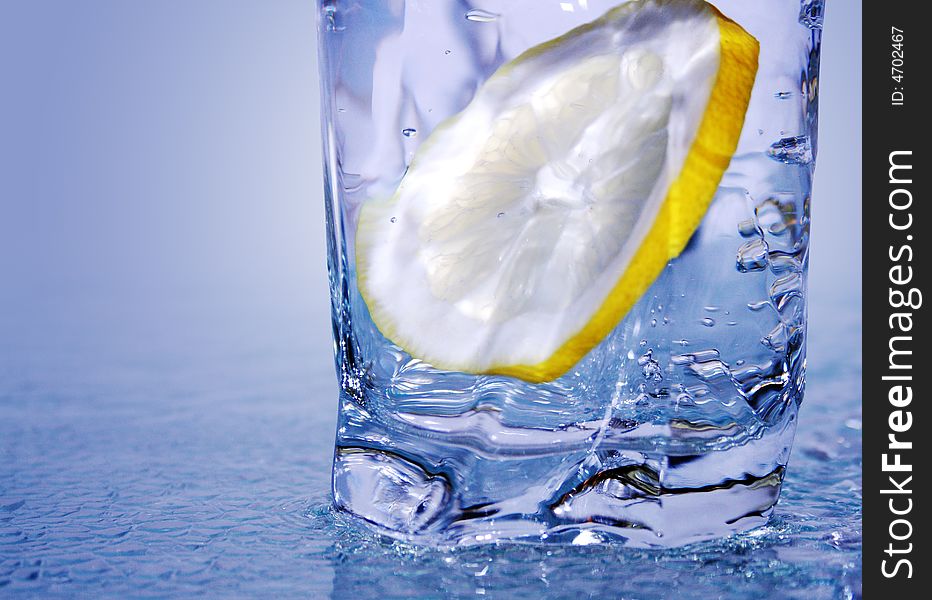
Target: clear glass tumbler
568, 253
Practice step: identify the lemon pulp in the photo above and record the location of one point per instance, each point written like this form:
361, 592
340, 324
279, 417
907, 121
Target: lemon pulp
529, 224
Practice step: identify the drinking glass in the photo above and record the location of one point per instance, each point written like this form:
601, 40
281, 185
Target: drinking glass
675, 423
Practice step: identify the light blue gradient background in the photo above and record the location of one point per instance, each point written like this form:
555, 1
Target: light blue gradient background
160, 162
161, 204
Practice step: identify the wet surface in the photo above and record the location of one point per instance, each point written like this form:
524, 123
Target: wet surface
190, 453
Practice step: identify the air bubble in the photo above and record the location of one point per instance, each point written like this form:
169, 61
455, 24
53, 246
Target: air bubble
748, 228
650, 368
791, 150
481, 16
752, 256
811, 13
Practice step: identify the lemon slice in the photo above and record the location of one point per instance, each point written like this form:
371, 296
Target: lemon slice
530, 223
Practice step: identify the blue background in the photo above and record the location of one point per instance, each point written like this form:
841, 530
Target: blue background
167, 394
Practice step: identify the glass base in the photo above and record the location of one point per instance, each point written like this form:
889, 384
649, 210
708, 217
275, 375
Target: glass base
634, 487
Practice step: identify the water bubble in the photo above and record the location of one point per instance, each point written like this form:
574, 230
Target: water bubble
650, 368
782, 95
752, 256
709, 369
775, 215
811, 13
682, 359
791, 150
748, 228
777, 228
330, 16
788, 284
783, 262
409, 132
776, 339
393, 219
707, 322
481, 16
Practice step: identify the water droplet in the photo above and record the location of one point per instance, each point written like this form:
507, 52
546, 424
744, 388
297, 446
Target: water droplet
752, 256
788, 284
760, 132
393, 219
681, 342
650, 368
500, 215
811, 13
782, 262
791, 150
758, 306
711, 308
707, 322
653, 322
776, 339
709, 369
341, 110
783, 95
409, 132
777, 228
447, 52
481, 16
586, 538
748, 228
330, 16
